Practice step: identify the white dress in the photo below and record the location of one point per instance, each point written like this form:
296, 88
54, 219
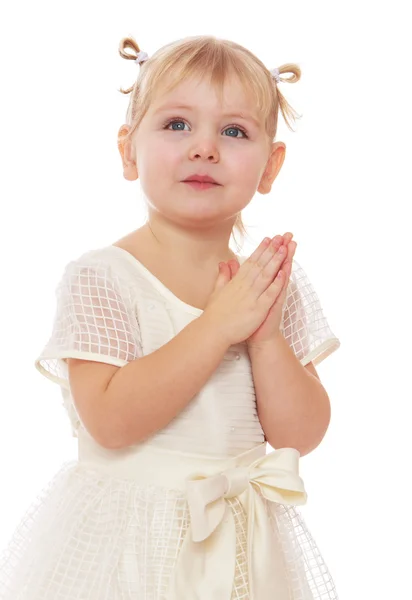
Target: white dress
106, 527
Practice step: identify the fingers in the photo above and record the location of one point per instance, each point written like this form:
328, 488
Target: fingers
260, 250
252, 267
283, 239
277, 257
279, 261
263, 255
287, 265
272, 250
234, 267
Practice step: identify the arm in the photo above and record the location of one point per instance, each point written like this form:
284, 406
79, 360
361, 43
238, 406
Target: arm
147, 393
292, 404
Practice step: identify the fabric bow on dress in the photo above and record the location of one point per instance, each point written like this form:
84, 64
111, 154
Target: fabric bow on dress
207, 559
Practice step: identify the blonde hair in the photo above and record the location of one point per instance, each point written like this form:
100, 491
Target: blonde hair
214, 58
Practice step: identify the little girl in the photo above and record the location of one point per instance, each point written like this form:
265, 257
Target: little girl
178, 360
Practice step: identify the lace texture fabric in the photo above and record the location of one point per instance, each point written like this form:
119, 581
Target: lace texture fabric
104, 307
88, 536
94, 320
304, 324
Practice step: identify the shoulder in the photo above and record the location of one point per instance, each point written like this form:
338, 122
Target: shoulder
100, 273
103, 260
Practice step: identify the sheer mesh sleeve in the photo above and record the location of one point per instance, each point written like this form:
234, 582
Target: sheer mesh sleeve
94, 320
304, 325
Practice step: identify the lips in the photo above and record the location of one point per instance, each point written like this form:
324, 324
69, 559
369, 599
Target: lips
201, 179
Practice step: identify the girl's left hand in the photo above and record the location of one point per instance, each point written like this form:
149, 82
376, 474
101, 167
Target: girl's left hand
270, 327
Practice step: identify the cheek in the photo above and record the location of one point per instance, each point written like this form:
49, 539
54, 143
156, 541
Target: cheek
245, 167
156, 159
164, 155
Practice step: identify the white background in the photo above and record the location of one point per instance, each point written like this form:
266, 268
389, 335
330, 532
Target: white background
344, 191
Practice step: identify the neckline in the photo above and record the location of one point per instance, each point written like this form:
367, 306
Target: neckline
161, 287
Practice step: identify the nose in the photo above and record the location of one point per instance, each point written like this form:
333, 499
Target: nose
205, 149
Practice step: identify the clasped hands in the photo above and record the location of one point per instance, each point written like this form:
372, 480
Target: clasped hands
270, 328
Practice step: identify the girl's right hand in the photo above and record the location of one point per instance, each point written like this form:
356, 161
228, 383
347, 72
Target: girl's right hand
238, 308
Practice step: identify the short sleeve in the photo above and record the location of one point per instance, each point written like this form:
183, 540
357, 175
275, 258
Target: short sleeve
94, 320
304, 324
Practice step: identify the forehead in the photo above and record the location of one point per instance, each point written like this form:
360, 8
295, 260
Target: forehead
198, 91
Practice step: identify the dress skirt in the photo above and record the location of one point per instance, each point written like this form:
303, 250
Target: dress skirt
146, 523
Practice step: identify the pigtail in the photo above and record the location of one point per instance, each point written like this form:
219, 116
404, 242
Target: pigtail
285, 108
128, 42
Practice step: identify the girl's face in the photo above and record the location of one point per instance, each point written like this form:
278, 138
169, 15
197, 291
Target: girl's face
186, 132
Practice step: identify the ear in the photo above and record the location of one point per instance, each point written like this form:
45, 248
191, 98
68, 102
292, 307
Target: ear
273, 166
127, 153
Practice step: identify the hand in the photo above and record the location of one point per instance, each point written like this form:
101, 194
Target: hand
238, 306
270, 327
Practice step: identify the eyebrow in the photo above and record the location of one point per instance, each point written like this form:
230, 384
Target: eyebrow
246, 116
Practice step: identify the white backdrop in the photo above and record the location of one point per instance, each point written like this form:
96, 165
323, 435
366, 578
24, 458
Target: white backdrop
344, 191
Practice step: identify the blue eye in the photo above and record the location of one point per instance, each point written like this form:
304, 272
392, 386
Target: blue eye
182, 122
236, 129
176, 122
